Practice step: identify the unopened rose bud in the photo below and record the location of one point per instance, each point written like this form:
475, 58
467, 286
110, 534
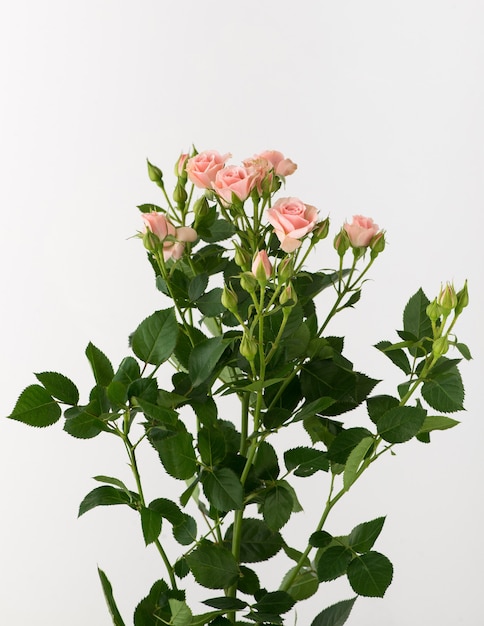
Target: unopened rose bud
341, 242
447, 298
155, 174
242, 257
434, 311
321, 230
377, 244
462, 299
180, 195
248, 282
229, 299
288, 298
262, 267
150, 241
248, 347
285, 269
440, 346
180, 170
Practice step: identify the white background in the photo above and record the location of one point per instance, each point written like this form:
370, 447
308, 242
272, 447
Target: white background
381, 105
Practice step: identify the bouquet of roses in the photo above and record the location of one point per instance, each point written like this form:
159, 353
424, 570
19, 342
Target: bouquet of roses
242, 321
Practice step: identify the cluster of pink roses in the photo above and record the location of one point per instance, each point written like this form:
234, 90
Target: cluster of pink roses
291, 218
207, 170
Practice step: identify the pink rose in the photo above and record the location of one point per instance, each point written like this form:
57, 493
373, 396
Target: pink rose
292, 220
173, 239
261, 266
361, 231
261, 170
202, 168
233, 180
281, 165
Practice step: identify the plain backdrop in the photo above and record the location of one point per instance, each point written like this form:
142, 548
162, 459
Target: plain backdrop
380, 103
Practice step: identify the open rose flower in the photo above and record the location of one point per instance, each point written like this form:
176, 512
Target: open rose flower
233, 180
203, 167
262, 172
292, 220
173, 239
281, 165
361, 231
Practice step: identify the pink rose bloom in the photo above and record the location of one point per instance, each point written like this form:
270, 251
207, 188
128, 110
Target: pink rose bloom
292, 220
159, 225
233, 179
261, 170
202, 168
361, 231
281, 165
261, 266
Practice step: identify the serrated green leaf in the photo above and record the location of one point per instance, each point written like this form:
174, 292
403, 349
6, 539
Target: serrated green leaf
155, 338
226, 603
345, 442
223, 489
277, 507
108, 594
370, 574
275, 602
397, 356
100, 365
305, 461
333, 563
150, 524
181, 614
105, 496
401, 423
258, 541
355, 460
186, 531
437, 422
204, 357
335, 615
36, 407
109, 480
59, 386
379, 405
84, 424
213, 566
320, 539
304, 585
444, 391
175, 448
197, 286
415, 319
363, 536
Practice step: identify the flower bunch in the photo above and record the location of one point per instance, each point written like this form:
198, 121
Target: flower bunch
230, 258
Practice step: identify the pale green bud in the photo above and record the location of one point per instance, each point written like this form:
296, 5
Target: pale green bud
229, 299
462, 299
248, 347
242, 257
180, 195
285, 269
321, 230
248, 282
155, 174
288, 298
440, 346
377, 244
434, 311
341, 242
447, 298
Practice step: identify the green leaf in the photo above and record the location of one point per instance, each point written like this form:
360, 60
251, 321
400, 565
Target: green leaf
333, 563
225, 603
464, 350
181, 614
277, 507
175, 448
210, 304
335, 615
305, 461
105, 496
401, 423
370, 574
213, 566
355, 460
415, 319
36, 407
379, 405
160, 414
397, 356
266, 465
128, 371
345, 442
320, 539
108, 594
444, 391
204, 357
304, 585
248, 581
223, 489
437, 422
258, 541
155, 338
100, 365
84, 423
109, 480
59, 386
219, 231
211, 445
197, 286
310, 409
150, 524
363, 536
275, 602
185, 532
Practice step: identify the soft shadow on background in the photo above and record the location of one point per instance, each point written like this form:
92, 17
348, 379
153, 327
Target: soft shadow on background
380, 104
